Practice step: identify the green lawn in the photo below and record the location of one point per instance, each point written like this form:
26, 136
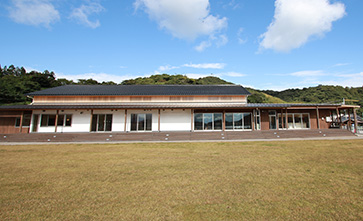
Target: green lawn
183, 181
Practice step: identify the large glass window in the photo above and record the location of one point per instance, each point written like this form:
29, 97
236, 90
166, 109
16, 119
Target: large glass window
64, 120
141, 122
238, 121
198, 121
101, 122
272, 117
229, 121
218, 121
208, 121
47, 120
247, 121
295, 121
26, 120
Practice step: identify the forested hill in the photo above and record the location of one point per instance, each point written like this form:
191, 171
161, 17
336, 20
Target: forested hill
15, 82
321, 94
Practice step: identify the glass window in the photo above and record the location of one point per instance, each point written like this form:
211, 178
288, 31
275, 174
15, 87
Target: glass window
208, 121
141, 122
298, 121
198, 121
100, 122
133, 122
60, 120
94, 122
148, 121
218, 121
237, 121
26, 120
229, 121
47, 120
68, 122
247, 121
17, 122
290, 121
258, 123
272, 122
306, 122
108, 122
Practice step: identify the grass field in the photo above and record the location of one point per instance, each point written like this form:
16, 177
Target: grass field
183, 181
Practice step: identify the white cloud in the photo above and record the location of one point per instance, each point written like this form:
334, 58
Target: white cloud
219, 41
232, 74
341, 64
203, 45
167, 68
241, 40
33, 12
185, 19
308, 73
82, 14
206, 65
296, 21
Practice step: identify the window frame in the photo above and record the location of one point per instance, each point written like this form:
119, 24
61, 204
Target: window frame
205, 127
291, 125
143, 120
242, 126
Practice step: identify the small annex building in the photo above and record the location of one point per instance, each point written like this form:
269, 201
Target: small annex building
147, 108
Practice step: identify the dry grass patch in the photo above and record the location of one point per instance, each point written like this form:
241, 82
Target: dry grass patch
177, 181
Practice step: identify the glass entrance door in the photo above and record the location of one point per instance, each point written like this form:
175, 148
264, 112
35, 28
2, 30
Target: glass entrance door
101, 122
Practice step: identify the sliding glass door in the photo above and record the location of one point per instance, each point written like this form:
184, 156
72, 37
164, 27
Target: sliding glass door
101, 122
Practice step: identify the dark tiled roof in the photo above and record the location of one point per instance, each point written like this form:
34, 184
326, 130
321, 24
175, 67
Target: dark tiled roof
143, 90
172, 105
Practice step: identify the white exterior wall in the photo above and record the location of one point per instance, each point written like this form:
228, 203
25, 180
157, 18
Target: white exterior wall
170, 120
175, 120
81, 121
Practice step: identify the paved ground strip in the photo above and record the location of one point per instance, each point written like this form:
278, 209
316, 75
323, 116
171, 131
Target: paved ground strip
175, 136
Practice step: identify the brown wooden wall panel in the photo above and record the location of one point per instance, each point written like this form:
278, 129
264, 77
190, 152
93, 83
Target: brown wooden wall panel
7, 126
265, 122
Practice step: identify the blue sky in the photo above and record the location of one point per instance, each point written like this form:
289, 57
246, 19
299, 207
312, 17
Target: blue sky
264, 44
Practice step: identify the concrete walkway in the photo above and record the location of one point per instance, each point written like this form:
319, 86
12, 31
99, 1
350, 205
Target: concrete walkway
171, 137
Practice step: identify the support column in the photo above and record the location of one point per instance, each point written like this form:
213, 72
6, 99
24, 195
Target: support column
90, 125
192, 119
159, 120
56, 121
349, 121
282, 118
317, 117
338, 116
355, 120
253, 119
277, 120
286, 120
224, 121
125, 120
21, 121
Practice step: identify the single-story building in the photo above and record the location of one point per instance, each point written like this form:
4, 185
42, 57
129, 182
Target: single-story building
146, 108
